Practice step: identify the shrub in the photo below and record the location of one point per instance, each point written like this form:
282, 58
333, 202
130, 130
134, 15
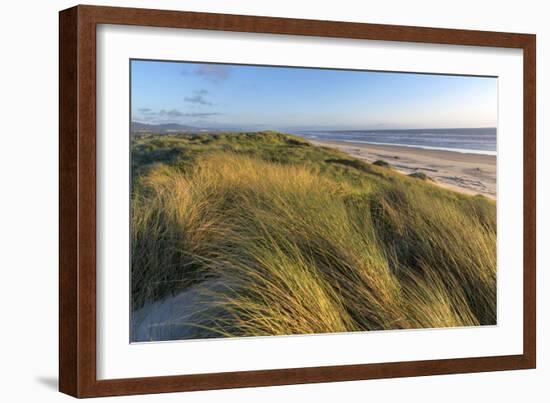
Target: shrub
420, 175
381, 163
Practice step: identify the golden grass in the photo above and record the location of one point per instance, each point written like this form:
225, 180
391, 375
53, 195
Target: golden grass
298, 252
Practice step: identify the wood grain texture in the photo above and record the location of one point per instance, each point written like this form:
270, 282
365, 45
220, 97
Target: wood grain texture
77, 180
529, 203
68, 279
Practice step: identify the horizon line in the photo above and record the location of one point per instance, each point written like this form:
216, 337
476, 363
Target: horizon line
314, 128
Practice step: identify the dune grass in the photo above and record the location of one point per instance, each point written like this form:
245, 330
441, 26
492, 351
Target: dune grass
381, 163
283, 237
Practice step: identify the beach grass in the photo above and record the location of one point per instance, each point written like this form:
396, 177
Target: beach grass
283, 237
381, 163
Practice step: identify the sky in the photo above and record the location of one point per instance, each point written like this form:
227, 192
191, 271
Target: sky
226, 96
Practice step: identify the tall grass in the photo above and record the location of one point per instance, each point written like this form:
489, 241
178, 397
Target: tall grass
305, 246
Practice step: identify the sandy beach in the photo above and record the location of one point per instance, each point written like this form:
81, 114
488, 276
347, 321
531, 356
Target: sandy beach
467, 173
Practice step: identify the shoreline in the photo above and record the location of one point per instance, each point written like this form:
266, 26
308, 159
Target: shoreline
469, 173
454, 150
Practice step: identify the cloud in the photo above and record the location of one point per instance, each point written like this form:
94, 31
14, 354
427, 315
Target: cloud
166, 115
198, 97
146, 111
173, 113
213, 72
202, 114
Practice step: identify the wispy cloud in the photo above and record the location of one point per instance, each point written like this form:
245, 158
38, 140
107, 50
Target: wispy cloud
145, 111
213, 72
167, 115
202, 114
173, 113
198, 97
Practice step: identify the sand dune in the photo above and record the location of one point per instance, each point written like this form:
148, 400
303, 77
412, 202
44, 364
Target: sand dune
467, 173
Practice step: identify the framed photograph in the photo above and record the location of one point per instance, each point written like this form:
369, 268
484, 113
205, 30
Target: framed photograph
254, 201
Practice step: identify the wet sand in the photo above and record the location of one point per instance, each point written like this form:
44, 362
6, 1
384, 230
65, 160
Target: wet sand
467, 173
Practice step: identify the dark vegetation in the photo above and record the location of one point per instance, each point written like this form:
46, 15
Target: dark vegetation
283, 237
420, 175
381, 163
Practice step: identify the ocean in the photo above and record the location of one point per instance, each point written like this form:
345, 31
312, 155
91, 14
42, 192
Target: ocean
476, 141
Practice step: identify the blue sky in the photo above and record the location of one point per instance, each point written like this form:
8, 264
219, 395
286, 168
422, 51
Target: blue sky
285, 98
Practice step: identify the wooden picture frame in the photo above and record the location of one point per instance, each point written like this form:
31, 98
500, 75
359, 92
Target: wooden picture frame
77, 209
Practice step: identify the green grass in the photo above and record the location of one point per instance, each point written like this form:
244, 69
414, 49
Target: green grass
420, 175
381, 163
304, 239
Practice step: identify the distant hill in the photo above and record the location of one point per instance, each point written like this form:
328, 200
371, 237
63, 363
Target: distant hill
137, 127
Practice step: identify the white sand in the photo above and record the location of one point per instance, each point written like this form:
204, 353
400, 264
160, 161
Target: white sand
467, 173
